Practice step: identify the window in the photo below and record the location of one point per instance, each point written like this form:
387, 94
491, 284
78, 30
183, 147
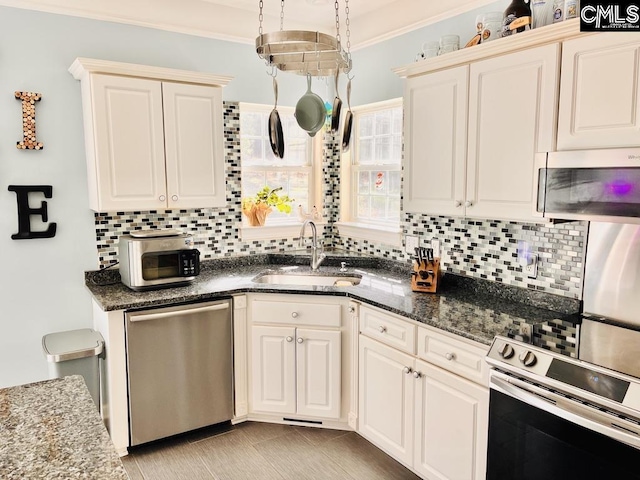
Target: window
260, 167
372, 170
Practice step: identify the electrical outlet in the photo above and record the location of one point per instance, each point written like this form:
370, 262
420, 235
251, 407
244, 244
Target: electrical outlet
532, 268
411, 242
526, 332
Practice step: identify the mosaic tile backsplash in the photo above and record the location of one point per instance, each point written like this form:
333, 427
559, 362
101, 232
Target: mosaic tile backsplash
477, 248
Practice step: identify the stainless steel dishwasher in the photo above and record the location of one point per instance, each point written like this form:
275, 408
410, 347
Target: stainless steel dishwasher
180, 370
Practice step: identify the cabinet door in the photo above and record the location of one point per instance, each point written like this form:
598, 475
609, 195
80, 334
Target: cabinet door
512, 105
273, 369
451, 422
194, 150
318, 372
600, 92
386, 389
435, 141
129, 144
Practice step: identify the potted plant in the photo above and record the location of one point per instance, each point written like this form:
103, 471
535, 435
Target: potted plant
257, 208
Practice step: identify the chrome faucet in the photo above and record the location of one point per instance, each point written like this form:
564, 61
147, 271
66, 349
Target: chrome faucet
316, 259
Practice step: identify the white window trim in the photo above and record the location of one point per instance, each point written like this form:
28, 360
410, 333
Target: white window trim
280, 231
346, 227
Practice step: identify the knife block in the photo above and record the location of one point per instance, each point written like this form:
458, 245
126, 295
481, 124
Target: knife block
426, 276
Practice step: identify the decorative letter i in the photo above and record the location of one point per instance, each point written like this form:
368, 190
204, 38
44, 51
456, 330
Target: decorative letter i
29, 141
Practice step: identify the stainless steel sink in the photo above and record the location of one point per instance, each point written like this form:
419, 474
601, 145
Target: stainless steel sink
313, 280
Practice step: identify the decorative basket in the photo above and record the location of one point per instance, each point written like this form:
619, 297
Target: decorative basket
257, 214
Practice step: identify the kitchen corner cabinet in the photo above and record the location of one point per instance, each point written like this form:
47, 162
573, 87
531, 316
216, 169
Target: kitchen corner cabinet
600, 92
427, 405
473, 131
154, 137
299, 361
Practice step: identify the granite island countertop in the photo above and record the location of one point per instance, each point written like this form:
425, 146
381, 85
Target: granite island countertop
474, 309
52, 430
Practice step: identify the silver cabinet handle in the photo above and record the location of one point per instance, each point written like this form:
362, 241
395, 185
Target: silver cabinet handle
417, 374
174, 198
300, 340
294, 314
450, 356
458, 203
352, 310
173, 313
162, 198
289, 339
407, 370
468, 204
382, 329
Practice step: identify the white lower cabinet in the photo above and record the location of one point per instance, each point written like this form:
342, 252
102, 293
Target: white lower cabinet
296, 371
451, 424
296, 358
430, 419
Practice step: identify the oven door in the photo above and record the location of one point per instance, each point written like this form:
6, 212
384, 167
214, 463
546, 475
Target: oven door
538, 434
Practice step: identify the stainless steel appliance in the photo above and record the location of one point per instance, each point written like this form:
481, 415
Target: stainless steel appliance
598, 185
157, 258
180, 373
555, 418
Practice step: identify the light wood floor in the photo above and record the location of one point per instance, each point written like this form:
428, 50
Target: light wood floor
254, 450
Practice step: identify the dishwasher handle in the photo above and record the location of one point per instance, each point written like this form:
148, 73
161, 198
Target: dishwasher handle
188, 311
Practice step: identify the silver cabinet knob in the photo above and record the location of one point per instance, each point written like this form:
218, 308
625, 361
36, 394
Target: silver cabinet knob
468, 204
352, 310
174, 198
458, 203
162, 198
299, 340
417, 374
382, 329
294, 314
407, 370
289, 339
450, 356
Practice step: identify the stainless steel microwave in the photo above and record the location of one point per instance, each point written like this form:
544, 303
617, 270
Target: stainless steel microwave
157, 258
596, 185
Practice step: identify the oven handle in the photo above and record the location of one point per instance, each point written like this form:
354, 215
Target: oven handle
567, 409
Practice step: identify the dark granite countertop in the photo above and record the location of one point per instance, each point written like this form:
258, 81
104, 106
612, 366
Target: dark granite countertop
475, 309
52, 430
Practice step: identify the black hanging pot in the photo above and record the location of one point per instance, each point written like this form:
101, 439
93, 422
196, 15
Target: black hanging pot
348, 121
337, 106
276, 138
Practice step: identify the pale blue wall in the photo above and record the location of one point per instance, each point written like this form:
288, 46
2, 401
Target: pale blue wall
41, 281
374, 81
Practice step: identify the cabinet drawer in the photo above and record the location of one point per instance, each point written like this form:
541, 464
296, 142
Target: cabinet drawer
388, 329
457, 356
296, 313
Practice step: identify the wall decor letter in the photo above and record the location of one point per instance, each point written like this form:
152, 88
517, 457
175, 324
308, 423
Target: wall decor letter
25, 212
29, 141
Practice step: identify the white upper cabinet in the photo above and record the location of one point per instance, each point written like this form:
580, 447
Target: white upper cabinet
153, 136
600, 92
472, 132
435, 134
194, 151
512, 105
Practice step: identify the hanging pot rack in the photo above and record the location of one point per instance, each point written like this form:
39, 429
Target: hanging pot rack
304, 52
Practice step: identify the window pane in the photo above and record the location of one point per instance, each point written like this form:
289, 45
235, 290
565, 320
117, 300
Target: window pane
253, 124
252, 182
252, 151
363, 209
380, 185
365, 125
378, 208
397, 121
383, 122
383, 150
394, 183
394, 209
365, 152
364, 182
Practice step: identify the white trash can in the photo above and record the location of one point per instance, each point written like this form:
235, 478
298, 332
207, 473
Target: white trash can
75, 352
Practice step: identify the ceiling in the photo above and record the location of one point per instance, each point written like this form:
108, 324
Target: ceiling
371, 21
